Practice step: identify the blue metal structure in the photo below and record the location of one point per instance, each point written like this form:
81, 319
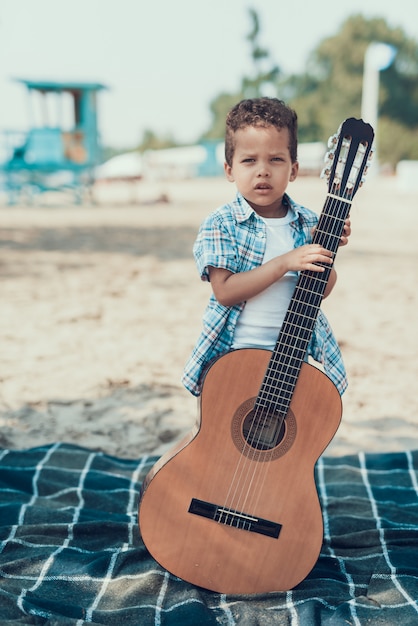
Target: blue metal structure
61, 148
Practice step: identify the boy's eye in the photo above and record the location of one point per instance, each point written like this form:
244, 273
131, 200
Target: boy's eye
248, 160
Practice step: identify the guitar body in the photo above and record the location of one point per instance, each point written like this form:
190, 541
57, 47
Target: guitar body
217, 466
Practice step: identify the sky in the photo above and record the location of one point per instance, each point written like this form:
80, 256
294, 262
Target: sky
163, 60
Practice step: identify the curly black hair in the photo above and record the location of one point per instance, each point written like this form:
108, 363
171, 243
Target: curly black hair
261, 112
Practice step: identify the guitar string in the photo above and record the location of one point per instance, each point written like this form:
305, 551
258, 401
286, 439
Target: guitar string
240, 502
241, 475
308, 282
242, 461
327, 237
291, 354
305, 282
326, 218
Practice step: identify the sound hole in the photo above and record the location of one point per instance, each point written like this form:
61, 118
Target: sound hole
263, 431
262, 439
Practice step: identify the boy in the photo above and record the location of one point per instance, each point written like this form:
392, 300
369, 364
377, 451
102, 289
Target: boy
252, 249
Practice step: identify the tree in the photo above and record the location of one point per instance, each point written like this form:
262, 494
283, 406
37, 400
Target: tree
266, 74
331, 89
152, 141
219, 108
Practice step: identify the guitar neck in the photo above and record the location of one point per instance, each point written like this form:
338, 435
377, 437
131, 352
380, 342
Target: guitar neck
345, 166
289, 353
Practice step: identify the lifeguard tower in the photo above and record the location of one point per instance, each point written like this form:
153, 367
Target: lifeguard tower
61, 148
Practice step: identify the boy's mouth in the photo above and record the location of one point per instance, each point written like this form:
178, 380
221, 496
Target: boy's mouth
263, 186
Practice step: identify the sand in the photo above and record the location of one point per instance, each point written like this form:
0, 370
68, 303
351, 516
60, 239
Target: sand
101, 305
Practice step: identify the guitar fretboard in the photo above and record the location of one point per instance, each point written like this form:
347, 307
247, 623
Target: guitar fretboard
289, 353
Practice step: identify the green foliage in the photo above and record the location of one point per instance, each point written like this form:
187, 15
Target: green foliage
266, 73
331, 88
340, 61
336, 66
151, 141
396, 142
219, 108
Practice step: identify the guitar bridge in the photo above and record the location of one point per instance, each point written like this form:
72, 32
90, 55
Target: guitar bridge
237, 519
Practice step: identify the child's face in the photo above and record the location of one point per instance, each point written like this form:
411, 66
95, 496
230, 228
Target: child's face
262, 167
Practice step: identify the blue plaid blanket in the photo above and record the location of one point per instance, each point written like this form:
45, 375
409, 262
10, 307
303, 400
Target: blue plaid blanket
71, 553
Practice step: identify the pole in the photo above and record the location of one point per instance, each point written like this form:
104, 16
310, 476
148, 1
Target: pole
378, 57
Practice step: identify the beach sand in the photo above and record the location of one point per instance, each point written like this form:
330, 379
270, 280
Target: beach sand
101, 305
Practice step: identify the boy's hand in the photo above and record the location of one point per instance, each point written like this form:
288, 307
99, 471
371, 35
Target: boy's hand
307, 257
346, 232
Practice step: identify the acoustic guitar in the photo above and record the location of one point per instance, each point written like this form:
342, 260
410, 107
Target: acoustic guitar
234, 507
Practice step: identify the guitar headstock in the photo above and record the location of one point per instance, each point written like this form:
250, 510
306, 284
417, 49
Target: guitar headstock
347, 161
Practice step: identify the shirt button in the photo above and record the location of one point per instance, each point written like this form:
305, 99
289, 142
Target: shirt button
230, 328
260, 234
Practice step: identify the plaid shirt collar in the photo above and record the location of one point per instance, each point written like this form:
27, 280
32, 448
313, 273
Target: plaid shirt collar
242, 210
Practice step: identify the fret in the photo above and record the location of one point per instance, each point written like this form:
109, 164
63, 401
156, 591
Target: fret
287, 370
288, 362
329, 227
300, 320
311, 278
307, 309
289, 337
305, 297
330, 236
289, 356
287, 377
272, 398
270, 394
287, 382
313, 285
302, 289
335, 222
331, 195
275, 404
310, 285
332, 215
297, 345
296, 316
332, 211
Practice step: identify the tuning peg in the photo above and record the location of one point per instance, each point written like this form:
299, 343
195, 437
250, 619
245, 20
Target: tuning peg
329, 156
326, 172
332, 141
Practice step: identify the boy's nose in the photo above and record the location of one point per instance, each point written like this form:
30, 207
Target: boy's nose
263, 171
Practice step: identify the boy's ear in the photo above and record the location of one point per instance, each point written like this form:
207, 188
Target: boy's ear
228, 173
294, 171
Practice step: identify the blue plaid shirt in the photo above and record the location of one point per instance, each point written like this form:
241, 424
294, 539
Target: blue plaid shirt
234, 238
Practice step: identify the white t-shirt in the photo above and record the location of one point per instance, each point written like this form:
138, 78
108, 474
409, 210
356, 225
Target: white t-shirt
262, 317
